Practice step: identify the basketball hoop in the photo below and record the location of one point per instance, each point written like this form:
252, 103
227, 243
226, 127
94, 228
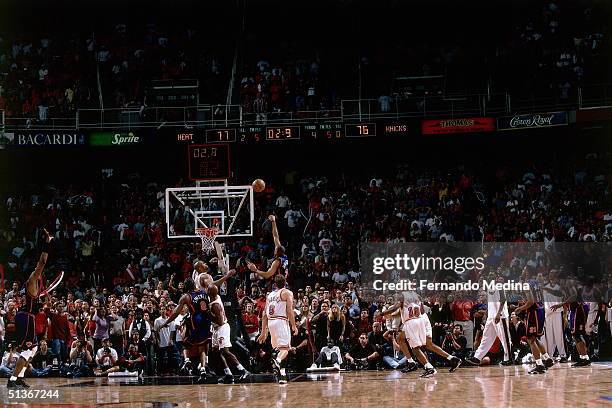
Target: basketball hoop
207, 235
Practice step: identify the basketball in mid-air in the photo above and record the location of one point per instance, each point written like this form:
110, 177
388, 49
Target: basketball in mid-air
259, 185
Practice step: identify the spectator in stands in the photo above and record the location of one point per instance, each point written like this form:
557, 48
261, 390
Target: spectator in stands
107, 359
330, 356
44, 362
363, 355
455, 342
9, 361
133, 360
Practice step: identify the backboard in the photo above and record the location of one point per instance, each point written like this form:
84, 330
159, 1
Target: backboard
229, 208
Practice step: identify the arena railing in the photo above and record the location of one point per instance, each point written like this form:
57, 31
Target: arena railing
595, 96
434, 106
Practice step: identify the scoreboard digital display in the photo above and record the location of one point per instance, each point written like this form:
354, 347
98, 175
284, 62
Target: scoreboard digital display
220, 135
208, 161
329, 131
283, 133
360, 129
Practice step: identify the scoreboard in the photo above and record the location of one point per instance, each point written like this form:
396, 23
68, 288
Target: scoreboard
320, 131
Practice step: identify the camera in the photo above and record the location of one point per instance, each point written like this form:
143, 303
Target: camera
107, 350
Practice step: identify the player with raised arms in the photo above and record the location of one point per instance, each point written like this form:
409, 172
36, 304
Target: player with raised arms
278, 318
417, 331
24, 319
280, 263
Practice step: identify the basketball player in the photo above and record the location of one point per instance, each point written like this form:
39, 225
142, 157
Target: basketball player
553, 295
280, 264
496, 326
198, 327
221, 337
24, 319
534, 322
277, 319
578, 312
417, 330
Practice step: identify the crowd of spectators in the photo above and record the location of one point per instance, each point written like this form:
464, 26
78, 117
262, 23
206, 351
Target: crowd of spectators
51, 75
556, 47
123, 276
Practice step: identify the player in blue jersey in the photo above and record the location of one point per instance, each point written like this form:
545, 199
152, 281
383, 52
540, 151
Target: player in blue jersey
198, 327
280, 263
24, 320
535, 320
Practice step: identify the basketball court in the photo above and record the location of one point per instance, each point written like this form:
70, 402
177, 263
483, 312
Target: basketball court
468, 387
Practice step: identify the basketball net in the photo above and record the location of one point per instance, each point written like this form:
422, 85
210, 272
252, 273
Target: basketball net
207, 235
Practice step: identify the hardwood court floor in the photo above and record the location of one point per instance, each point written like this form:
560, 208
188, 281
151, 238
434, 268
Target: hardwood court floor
466, 388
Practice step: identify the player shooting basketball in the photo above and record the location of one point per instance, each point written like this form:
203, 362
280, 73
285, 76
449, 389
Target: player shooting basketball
24, 320
280, 264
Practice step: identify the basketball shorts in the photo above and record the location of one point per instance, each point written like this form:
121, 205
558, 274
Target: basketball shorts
280, 333
221, 336
417, 330
25, 334
578, 319
535, 322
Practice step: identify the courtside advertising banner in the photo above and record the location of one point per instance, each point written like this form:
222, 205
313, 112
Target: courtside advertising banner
461, 125
532, 121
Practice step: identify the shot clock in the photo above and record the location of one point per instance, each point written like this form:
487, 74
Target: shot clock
208, 161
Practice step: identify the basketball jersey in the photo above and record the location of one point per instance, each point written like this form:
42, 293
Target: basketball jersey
283, 269
220, 303
494, 298
410, 311
199, 323
549, 298
275, 306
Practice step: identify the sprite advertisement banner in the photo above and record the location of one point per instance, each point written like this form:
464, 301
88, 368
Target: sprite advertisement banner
114, 139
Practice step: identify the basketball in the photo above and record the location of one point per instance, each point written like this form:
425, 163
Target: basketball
259, 185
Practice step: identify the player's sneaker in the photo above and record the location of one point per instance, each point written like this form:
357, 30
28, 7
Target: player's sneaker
226, 379
582, 363
21, 383
410, 367
276, 367
563, 359
506, 363
454, 364
243, 375
549, 363
187, 367
428, 372
207, 378
473, 361
314, 366
13, 384
337, 366
283, 379
539, 369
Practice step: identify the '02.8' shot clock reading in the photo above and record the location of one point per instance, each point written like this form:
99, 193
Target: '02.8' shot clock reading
283, 133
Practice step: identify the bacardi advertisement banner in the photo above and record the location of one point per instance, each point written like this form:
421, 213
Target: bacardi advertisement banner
49, 138
532, 121
461, 125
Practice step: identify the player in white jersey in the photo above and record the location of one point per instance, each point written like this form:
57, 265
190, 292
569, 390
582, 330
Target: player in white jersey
496, 327
221, 342
277, 319
553, 328
417, 331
